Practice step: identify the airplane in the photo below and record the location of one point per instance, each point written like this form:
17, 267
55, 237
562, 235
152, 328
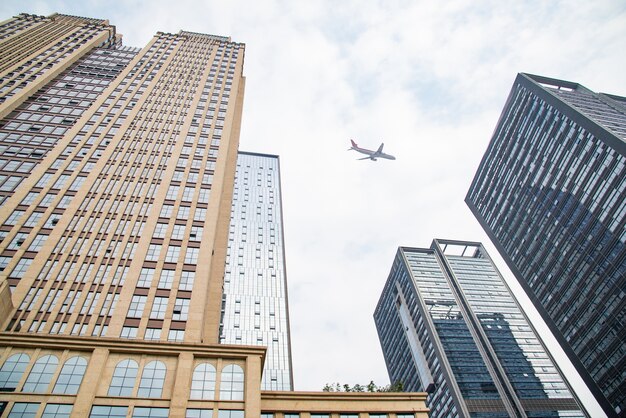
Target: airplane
371, 155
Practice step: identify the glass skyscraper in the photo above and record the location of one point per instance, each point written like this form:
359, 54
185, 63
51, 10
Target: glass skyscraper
449, 325
550, 192
255, 309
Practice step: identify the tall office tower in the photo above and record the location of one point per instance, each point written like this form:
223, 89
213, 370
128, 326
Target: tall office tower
255, 309
117, 170
26, 66
449, 325
124, 203
551, 194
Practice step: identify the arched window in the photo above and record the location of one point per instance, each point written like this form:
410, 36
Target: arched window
40, 376
71, 376
231, 384
152, 378
123, 380
12, 371
203, 382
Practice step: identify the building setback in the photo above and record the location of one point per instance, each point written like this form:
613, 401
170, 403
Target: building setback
449, 325
117, 168
255, 284
550, 192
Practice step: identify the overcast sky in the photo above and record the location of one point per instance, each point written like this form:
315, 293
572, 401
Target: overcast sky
427, 78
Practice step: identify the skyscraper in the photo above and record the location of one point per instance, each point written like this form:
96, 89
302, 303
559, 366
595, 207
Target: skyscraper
117, 171
122, 202
449, 325
255, 284
551, 194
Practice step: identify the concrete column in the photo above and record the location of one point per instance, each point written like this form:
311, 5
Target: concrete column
90, 384
182, 385
253, 370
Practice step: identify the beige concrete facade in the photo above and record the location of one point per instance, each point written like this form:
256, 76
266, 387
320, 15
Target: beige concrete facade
116, 181
180, 359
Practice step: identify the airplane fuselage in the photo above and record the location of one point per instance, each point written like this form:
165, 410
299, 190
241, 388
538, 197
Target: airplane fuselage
371, 155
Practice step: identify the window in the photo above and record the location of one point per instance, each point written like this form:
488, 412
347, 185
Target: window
152, 379
17, 241
55, 410
39, 378
153, 252
204, 195
33, 219
203, 382
159, 231
4, 261
123, 379
159, 306
30, 198
37, 242
173, 252
24, 410
153, 334
172, 192
230, 413
231, 385
71, 376
186, 280
166, 211
196, 233
188, 193
137, 304
108, 411
178, 232
191, 256
181, 309
129, 332
21, 267
12, 371
200, 214
145, 277
15, 215
183, 212
176, 335
166, 280
140, 412
199, 413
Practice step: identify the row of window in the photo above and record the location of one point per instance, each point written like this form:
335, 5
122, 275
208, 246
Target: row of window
123, 380
30, 410
41, 374
314, 415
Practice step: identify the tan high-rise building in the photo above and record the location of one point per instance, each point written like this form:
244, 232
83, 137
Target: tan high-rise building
117, 168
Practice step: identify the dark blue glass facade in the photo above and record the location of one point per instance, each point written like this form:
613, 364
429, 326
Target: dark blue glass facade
449, 325
550, 192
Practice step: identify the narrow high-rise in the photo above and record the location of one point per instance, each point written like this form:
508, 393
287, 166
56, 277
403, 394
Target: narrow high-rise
449, 325
550, 192
117, 180
255, 309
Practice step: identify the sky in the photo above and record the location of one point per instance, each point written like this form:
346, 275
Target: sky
427, 78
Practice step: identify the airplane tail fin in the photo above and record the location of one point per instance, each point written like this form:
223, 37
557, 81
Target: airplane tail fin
353, 143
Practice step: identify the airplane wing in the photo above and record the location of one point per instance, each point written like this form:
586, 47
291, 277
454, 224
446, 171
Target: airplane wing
364, 158
380, 149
